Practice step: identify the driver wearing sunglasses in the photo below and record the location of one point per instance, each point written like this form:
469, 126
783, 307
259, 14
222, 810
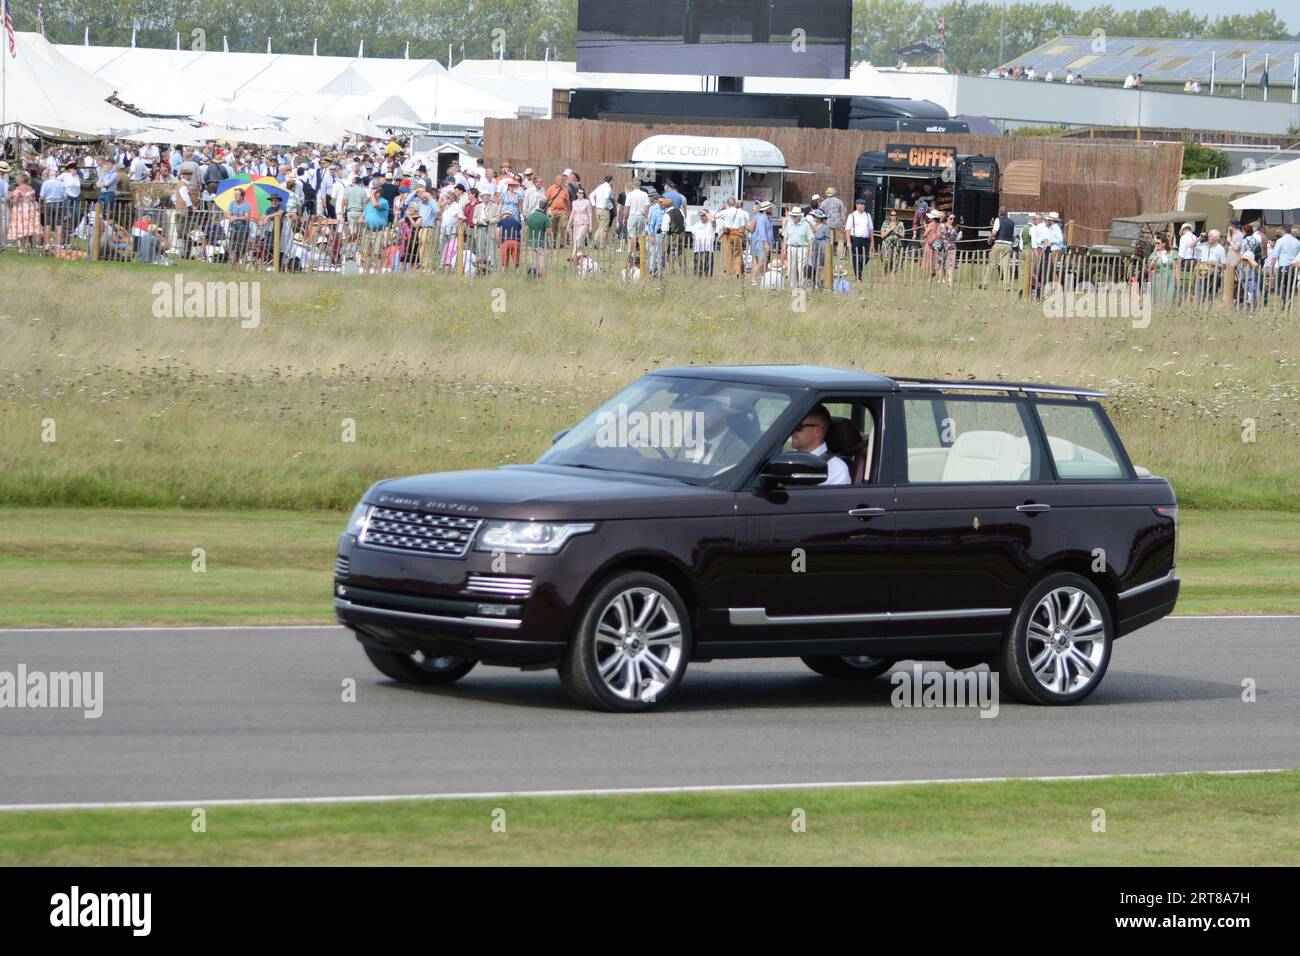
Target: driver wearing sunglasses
810, 436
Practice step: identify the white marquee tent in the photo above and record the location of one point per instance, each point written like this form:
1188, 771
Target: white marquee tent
50, 93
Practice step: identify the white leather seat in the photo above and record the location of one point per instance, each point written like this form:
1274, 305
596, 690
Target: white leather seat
987, 456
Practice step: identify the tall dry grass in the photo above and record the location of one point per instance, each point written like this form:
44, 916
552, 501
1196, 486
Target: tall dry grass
201, 412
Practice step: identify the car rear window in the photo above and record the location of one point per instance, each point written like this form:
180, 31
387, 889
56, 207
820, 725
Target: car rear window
1079, 440
968, 440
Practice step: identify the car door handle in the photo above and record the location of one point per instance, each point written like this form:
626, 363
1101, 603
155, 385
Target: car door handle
867, 512
1033, 509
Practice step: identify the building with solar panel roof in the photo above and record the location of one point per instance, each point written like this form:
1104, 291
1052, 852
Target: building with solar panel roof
1224, 67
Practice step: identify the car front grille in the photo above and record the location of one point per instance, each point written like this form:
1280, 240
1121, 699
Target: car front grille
445, 536
341, 567
499, 585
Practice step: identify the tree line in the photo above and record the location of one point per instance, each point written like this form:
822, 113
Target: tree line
977, 33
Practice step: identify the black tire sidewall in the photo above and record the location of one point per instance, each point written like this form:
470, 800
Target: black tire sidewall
402, 667
837, 668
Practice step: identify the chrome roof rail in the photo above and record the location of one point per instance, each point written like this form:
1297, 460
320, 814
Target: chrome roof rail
973, 386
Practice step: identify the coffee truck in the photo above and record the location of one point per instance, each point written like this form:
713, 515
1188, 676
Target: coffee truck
902, 175
708, 170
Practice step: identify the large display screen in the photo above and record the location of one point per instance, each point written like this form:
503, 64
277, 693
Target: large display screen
804, 38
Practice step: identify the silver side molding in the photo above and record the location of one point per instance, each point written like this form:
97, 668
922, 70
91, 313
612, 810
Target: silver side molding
1132, 592
749, 616
501, 623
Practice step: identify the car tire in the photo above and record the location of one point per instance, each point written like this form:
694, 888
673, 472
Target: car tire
418, 668
630, 644
853, 667
1058, 644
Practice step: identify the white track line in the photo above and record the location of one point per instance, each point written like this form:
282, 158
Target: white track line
317, 627
612, 792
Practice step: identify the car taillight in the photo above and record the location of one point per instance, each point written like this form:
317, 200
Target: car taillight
1170, 511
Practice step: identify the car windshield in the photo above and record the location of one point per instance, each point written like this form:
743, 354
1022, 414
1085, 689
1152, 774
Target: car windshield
690, 429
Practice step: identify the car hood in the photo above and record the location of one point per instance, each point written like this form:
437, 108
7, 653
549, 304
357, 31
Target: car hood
549, 492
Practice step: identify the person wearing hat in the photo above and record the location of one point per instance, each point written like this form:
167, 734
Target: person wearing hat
840, 282
1002, 236
760, 239
932, 244
71, 180
24, 219
557, 208
733, 224
798, 236
1055, 235
859, 229
836, 213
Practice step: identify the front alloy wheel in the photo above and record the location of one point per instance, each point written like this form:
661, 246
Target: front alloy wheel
1058, 646
630, 646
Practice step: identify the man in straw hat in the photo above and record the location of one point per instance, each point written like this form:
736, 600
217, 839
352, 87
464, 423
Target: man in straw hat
798, 237
760, 238
833, 206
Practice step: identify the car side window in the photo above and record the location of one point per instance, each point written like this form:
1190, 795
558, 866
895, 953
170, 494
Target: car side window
1080, 444
954, 439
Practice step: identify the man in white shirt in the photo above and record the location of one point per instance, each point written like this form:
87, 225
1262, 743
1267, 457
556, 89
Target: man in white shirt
810, 436
1286, 252
705, 236
733, 220
1055, 236
1130, 81
637, 202
139, 170
859, 228
602, 207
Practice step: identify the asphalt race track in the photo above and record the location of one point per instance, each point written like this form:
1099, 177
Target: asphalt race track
193, 715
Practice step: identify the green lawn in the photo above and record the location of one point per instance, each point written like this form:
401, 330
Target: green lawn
1170, 820
109, 566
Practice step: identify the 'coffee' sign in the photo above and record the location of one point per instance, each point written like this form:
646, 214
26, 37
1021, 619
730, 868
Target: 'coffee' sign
903, 156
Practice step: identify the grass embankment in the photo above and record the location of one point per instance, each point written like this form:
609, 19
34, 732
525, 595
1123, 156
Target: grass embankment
168, 412
1195, 820
86, 566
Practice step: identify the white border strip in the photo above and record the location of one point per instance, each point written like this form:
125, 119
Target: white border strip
317, 627
611, 792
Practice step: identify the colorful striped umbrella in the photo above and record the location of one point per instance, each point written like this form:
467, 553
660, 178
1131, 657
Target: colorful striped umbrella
258, 191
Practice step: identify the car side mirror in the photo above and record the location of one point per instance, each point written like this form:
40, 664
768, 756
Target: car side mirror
558, 435
794, 469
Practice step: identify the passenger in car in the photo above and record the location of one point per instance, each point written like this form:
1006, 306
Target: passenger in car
810, 436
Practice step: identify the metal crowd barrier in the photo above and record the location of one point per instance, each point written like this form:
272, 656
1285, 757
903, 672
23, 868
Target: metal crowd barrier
306, 242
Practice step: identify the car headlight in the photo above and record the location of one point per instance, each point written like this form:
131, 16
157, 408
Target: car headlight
527, 537
358, 519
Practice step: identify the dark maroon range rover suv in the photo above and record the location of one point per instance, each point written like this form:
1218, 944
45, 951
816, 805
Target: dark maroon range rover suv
846, 519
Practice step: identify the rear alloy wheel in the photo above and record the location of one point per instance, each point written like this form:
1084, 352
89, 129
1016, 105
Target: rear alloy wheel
853, 667
630, 644
417, 667
1058, 645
